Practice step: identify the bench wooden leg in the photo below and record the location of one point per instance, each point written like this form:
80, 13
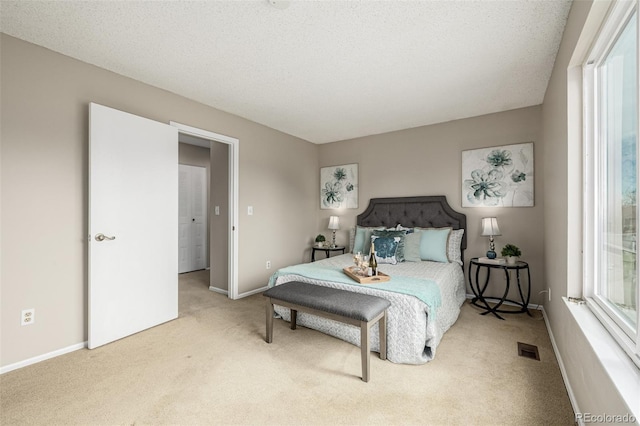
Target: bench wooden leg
382, 324
269, 309
294, 318
365, 349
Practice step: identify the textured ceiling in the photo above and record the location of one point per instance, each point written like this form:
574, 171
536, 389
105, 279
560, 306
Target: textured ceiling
320, 70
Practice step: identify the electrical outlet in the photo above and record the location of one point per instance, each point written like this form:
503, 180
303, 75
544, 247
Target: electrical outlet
250, 210
268, 264
28, 316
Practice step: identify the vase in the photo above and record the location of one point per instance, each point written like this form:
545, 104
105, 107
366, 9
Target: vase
511, 260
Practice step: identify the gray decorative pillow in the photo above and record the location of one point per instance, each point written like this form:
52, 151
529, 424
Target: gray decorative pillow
386, 249
412, 247
391, 234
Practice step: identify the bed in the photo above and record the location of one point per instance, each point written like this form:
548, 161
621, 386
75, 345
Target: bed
425, 295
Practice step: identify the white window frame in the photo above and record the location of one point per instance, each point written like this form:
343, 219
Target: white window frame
619, 15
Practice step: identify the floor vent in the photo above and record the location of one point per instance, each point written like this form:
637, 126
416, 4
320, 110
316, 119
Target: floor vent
528, 351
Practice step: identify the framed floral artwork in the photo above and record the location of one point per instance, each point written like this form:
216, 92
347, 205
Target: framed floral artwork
498, 177
339, 187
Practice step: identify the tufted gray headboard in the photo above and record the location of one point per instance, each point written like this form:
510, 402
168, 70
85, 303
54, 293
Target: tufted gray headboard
426, 212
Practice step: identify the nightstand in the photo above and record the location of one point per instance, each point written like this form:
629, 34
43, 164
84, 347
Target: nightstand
481, 301
326, 250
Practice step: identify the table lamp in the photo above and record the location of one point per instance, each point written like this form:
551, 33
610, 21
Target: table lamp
333, 225
490, 229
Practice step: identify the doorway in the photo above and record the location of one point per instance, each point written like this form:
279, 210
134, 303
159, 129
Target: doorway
223, 205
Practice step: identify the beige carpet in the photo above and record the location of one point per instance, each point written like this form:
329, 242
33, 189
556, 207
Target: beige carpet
212, 366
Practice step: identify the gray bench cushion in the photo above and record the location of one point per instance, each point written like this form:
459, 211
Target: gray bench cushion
361, 307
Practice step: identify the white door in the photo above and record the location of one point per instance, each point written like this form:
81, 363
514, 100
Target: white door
133, 198
192, 227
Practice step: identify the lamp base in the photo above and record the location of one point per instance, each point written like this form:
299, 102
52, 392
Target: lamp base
491, 254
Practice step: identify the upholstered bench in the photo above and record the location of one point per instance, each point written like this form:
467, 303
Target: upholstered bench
357, 309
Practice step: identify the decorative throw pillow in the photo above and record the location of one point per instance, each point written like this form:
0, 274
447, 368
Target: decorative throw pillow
454, 251
433, 244
386, 249
401, 234
412, 247
362, 240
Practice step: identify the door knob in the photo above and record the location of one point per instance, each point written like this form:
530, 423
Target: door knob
102, 237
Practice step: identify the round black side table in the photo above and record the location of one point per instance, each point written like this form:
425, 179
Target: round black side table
326, 250
482, 301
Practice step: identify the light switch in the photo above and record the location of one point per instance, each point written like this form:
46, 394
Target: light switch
217, 210
250, 210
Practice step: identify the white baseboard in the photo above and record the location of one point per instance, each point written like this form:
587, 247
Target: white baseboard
241, 295
563, 371
43, 357
219, 290
252, 292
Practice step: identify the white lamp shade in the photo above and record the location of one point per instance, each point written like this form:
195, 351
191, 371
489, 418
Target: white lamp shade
490, 227
334, 222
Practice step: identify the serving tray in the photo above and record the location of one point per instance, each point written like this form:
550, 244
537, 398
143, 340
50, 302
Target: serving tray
380, 278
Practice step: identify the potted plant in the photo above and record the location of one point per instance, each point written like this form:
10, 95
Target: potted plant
511, 253
320, 240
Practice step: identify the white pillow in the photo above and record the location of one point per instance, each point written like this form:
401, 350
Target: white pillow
454, 251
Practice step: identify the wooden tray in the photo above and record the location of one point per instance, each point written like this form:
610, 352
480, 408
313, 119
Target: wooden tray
380, 278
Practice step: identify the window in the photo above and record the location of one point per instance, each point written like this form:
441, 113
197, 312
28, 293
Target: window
611, 176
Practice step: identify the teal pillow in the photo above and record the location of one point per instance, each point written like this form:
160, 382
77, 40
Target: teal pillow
362, 241
412, 247
433, 244
386, 249
390, 234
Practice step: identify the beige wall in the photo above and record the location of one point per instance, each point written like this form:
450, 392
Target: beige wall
427, 161
592, 388
44, 134
193, 155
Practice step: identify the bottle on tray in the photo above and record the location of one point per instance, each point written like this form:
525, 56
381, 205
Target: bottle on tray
373, 263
